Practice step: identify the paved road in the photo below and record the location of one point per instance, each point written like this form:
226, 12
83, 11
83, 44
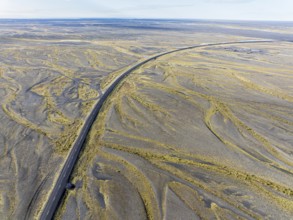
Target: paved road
59, 188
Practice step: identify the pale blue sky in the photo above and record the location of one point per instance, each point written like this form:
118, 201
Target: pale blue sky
196, 9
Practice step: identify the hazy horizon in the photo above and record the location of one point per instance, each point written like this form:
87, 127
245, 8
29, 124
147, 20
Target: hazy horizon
134, 18
232, 10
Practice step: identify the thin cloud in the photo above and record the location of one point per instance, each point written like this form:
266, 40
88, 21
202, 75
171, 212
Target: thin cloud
160, 6
230, 1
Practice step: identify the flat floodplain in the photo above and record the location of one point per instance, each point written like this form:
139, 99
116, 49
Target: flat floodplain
204, 133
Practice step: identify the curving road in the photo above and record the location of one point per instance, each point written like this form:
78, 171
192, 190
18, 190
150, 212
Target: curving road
60, 186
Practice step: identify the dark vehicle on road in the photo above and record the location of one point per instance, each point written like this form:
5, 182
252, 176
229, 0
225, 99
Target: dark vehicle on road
70, 186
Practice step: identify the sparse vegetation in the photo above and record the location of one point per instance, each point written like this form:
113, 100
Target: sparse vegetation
207, 131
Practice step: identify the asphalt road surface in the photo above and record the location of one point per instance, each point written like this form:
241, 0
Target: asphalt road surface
60, 186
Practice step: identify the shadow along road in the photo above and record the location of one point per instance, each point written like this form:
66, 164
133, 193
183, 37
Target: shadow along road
60, 186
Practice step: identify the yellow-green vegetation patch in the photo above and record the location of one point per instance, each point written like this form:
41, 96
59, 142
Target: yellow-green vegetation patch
174, 129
